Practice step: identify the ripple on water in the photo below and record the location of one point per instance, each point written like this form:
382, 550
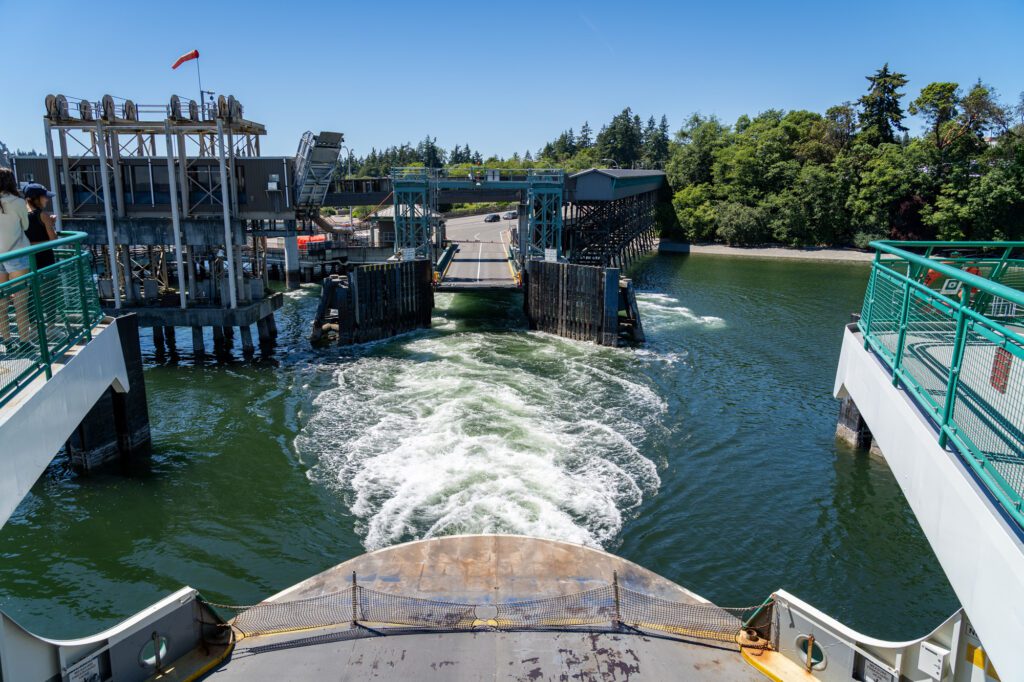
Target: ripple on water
484, 433
665, 312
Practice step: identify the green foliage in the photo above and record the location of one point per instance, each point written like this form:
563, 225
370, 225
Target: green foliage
801, 178
740, 225
852, 175
692, 156
696, 212
620, 141
881, 115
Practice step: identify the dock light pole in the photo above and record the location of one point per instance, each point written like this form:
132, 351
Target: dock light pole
228, 241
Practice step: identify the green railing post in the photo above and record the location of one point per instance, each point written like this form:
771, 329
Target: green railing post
37, 305
897, 361
992, 430
865, 318
46, 295
83, 298
962, 324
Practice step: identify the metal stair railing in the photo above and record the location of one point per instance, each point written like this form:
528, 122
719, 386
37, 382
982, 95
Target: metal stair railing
45, 311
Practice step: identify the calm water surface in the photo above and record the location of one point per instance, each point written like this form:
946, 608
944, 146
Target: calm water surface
707, 455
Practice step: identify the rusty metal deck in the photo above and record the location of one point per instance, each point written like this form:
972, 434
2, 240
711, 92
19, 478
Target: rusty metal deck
483, 569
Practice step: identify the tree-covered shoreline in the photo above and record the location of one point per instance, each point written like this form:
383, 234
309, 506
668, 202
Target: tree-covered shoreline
802, 178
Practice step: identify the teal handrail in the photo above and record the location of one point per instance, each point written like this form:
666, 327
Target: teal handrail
974, 281
66, 239
952, 357
45, 312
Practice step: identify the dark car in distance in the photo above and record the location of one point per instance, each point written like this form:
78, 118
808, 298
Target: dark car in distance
492, 218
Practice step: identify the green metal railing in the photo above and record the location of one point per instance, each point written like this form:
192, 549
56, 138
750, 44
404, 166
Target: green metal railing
479, 174
948, 320
45, 311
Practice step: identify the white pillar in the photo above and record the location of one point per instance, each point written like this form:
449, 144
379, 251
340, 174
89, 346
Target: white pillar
225, 200
175, 217
108, 212
291, 260
51, 166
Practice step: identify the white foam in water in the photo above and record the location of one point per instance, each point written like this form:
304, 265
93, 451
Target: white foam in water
484, 432
658, 310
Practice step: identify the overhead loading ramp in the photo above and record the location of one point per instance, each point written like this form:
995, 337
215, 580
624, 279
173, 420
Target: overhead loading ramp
315, 162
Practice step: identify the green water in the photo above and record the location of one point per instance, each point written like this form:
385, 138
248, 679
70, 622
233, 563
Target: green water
707, 455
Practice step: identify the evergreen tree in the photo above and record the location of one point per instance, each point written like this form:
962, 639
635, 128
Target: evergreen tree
429, 154
585, 141
621, 140
655, 143
881, 115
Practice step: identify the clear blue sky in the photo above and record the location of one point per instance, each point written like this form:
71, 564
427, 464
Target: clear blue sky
503, 77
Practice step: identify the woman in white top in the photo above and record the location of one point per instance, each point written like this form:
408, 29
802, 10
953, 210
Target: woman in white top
13, 223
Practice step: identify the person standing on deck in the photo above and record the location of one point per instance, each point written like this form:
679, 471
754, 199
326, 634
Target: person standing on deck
40, 222
13, 227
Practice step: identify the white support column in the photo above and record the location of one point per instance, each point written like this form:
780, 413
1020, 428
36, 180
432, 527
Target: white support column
175, 217
108, 212
291, 260
225, 200
51, 166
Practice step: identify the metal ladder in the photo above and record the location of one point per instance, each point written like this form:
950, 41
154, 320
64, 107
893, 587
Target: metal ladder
315, 162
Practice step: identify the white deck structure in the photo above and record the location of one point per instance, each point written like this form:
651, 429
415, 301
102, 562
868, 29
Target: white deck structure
979, 549
36, 423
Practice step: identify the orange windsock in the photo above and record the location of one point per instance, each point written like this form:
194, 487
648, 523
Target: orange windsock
188, 56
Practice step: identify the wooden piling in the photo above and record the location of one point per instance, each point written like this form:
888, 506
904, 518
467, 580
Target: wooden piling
263, 333
158, 340
245, 331
198, 343
171, 339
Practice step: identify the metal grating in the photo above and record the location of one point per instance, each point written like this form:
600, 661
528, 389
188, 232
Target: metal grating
956, 343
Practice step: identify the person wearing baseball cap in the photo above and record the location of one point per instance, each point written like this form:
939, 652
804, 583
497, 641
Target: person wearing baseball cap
40, 221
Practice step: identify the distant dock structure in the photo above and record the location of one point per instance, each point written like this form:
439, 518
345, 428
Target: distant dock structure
571, 238
178, 202
187, 221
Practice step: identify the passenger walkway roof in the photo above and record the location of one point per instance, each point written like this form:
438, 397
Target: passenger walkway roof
609, 184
